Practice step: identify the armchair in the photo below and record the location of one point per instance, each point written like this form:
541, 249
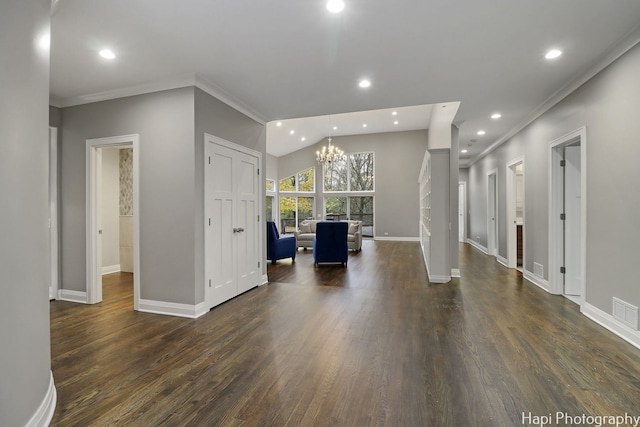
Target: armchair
279, 247
330, 243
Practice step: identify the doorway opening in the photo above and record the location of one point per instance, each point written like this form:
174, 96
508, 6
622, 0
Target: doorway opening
516, 230
113, 238
492, 212
567, 215
462, 212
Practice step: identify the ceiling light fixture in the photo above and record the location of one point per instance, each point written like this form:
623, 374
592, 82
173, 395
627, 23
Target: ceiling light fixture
291, 132
481, 132
335, 6
364, 125
464, 151
108, 54
395, 113
279, 124
552, 54
495, 116
395, 123
329, 154
364, 83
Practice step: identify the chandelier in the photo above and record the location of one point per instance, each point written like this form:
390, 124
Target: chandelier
329, 154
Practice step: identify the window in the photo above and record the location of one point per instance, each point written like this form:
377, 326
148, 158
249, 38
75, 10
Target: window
293, 210
270, 185
302, 182
357, 208
354, 173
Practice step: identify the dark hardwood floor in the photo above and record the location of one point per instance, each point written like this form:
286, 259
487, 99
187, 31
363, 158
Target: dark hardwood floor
370, 344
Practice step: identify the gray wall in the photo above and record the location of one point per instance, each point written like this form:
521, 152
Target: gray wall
463, 176
24, 134
272, 168
608, 106
398, 158
216, 118
164, 122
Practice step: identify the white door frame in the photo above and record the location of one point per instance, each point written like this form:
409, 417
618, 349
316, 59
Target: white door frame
512, 250
93, 194
462, 211
492, 220
556, 284
54, 258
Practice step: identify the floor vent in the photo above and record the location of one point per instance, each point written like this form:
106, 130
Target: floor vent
538, 270
625, 313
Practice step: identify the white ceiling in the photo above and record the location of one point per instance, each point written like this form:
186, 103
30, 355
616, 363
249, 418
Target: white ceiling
291, 59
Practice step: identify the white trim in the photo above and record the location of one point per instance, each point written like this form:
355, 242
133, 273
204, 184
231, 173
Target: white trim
502, 260
478, 246
554, 276
609, 322
566, 90
397, 239
438, 279
73, 296
94, 278
265, 280
44, 414
455, 272
538, 281
111, 269
462, 184
175, 82
54, 257
512, 250
172, 308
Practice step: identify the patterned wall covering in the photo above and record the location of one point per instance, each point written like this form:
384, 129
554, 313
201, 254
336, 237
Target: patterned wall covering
126, 181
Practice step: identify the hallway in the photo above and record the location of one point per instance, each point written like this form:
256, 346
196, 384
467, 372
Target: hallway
370, 344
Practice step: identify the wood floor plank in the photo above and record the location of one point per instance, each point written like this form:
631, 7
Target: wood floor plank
372, 344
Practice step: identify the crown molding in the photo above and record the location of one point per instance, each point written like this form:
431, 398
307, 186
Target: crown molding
176, 82
619, 49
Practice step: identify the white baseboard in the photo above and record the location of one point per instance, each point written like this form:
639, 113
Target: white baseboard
111, 269
438, 279
172, 308
478, 246
538, 281
607, 321
73, 296
455, 272
265, 279
42, 417
397, 239
502, 260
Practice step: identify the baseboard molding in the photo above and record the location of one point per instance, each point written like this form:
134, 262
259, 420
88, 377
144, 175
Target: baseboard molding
455, 272
42, 417
397, 239
607, 321
478, 246
538, 281
73, 296
111, 269
265, 280
502, 260
172, 308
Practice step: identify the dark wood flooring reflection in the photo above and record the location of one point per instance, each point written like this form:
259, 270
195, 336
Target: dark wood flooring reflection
370, 344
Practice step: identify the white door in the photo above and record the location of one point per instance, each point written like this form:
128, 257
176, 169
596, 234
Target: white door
232, 231
573, 221
462, 197
492, 228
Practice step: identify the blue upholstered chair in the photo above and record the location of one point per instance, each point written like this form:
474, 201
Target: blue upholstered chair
330, 243
279, 247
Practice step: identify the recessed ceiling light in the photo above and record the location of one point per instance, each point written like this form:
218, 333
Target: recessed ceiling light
279, 124
395, 113
108, 54
335, 128
395, 123
481, 132
364, 83
496, 116
303, 139
335, 6
291, 132
364, 125
552, 54
464, 151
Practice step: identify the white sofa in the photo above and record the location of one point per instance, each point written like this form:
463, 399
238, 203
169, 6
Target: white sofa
307, 231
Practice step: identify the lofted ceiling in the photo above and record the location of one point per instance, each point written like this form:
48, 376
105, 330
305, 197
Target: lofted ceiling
288, 59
